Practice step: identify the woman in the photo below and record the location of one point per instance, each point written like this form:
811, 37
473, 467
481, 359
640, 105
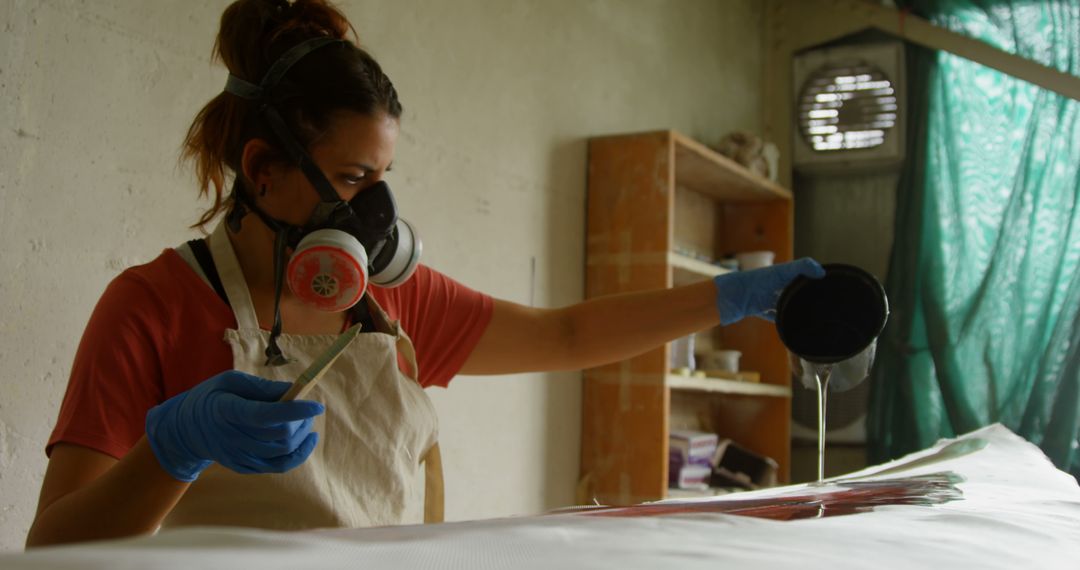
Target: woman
171, 416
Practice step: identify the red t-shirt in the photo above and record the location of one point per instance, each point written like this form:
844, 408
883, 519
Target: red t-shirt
159, 329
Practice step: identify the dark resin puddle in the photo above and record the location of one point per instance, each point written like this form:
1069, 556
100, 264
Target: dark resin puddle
852, 497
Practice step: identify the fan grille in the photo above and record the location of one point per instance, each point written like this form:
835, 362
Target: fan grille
847, 106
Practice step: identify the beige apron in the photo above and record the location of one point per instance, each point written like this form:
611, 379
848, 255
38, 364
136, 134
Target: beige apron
378, 427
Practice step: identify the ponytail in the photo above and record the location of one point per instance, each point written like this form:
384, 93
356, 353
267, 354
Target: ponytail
253, 34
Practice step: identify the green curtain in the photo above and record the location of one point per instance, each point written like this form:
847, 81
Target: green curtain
984, 277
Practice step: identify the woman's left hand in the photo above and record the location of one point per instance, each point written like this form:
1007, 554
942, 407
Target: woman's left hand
754, 293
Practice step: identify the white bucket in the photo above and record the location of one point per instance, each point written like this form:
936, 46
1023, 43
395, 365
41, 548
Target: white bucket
755, 259
726, 360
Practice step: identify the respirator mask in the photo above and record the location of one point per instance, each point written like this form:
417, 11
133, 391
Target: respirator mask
343, 246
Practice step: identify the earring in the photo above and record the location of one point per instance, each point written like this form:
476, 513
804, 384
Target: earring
262, 190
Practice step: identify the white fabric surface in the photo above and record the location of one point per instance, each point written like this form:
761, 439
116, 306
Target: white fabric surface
1018, 511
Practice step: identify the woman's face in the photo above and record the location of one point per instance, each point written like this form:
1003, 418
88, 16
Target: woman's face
354, 153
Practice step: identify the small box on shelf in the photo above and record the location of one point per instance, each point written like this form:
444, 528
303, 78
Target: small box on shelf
735, 466
691, 476
687, 446
699, 460
690, 457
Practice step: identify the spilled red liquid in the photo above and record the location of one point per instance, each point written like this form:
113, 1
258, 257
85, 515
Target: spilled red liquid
852, 497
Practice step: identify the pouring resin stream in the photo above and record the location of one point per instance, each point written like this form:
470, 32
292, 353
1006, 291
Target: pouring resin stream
822, 378
830, 327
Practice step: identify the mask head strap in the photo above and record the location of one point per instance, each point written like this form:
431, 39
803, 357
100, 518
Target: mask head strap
272, 91
267, 93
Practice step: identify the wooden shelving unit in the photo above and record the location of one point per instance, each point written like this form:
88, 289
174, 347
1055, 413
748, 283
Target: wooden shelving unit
650, 195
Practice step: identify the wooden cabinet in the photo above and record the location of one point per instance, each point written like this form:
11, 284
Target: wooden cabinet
649, 196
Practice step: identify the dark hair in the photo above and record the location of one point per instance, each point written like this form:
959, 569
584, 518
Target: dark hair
253, 34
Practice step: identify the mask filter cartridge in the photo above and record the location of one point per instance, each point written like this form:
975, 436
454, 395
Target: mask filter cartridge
401, 254
328, 270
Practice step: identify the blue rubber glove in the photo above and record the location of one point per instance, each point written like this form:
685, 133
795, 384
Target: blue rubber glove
234, 419
754, 293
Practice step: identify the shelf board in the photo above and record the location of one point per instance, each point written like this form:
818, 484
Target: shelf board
688, 270
724, 386
704, 170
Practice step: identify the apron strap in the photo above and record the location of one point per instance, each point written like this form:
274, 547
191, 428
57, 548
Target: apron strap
200, 253
434, 485
406, 352
434, 492
232, 279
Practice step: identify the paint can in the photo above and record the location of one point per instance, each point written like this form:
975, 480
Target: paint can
832, 324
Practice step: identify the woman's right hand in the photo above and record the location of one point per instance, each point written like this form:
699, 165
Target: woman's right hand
234, 419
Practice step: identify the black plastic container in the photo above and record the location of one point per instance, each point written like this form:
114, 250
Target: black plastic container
832, 324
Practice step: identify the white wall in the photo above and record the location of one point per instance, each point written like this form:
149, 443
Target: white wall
499, 97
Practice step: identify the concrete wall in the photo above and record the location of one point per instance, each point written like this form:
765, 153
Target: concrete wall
499, 96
